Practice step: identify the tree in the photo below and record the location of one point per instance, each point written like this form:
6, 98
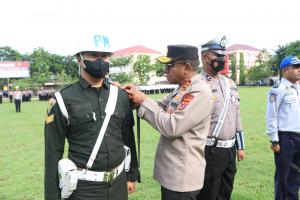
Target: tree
39, 61
292, 48
260, 71
232, 59
242, 69
122, 78
9, 54
159, 68
121, 63
141, 68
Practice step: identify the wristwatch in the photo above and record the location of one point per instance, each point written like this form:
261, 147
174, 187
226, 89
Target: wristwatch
274, 142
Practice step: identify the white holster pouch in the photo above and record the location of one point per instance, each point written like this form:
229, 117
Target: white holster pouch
67, 173
127, 158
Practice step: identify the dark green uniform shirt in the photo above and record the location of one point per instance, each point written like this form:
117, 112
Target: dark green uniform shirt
86, 109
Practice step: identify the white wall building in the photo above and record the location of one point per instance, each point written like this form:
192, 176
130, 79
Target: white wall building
135, 51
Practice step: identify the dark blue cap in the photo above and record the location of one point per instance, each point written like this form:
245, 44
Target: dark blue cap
289, 61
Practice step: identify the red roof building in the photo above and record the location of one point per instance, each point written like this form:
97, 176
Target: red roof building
135, 50
239, 47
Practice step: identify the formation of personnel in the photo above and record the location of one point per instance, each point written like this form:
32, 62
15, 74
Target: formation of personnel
27, 95
158, 89
45, 94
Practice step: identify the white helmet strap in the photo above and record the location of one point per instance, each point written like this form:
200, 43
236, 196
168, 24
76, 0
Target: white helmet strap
81, 57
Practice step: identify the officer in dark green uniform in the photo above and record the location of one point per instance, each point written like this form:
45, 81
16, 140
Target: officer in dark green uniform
85, 102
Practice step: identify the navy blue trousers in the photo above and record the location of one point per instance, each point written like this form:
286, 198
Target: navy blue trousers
287, 179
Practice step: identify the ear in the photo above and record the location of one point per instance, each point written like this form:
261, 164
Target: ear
188, 67
285, 69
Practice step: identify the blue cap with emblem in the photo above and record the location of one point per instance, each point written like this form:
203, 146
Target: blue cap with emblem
216, 45
289, 61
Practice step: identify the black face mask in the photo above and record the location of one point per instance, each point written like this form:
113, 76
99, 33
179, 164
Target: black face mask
97, 69
218, 64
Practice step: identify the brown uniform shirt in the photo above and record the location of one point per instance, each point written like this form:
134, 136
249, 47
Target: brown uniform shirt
183, 119
232, 122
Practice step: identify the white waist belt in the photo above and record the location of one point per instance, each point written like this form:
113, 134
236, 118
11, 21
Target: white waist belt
221, 143
100, 176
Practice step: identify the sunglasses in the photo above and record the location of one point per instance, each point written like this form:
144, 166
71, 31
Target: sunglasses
169, 65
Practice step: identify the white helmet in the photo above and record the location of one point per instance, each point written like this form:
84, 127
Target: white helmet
94, 42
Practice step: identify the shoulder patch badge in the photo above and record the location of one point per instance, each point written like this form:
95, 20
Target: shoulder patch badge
51, 103
185, 101
49, 118
272, 97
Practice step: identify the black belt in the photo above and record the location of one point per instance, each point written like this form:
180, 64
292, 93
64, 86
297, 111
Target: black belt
289, 133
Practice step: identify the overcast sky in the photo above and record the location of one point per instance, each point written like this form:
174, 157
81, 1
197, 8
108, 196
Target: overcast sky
56, 24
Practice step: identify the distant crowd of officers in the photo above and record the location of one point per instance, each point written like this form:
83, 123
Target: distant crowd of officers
46, 94
43, 95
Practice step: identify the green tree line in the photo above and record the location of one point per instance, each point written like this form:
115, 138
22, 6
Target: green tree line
47, 67
265, 67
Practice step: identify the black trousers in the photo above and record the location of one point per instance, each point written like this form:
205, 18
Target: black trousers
219, 173
173, 195
287, 179
18, 105
89, 190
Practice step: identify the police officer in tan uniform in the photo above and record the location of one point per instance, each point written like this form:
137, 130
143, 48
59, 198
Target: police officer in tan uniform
183, 119
225, 138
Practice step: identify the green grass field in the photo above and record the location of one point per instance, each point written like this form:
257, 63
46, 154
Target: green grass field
22, 152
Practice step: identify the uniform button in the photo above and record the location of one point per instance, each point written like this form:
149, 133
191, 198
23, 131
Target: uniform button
102, 117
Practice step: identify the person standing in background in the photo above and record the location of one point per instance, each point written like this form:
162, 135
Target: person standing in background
17, 95
283, 127
225, 140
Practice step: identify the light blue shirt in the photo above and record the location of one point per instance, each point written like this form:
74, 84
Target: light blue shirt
283, 109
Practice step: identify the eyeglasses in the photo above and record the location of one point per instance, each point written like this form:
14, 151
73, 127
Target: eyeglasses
169, 65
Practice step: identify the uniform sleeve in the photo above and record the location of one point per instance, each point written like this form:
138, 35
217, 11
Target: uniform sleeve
129, 140
163, 103
273, 102
55, 132
183, 119
239, 134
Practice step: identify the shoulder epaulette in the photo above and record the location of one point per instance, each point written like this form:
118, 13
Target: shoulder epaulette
66, 86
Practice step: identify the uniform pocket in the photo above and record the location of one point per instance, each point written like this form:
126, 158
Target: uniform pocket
292, 102
81, 113
117, 118
290, 99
